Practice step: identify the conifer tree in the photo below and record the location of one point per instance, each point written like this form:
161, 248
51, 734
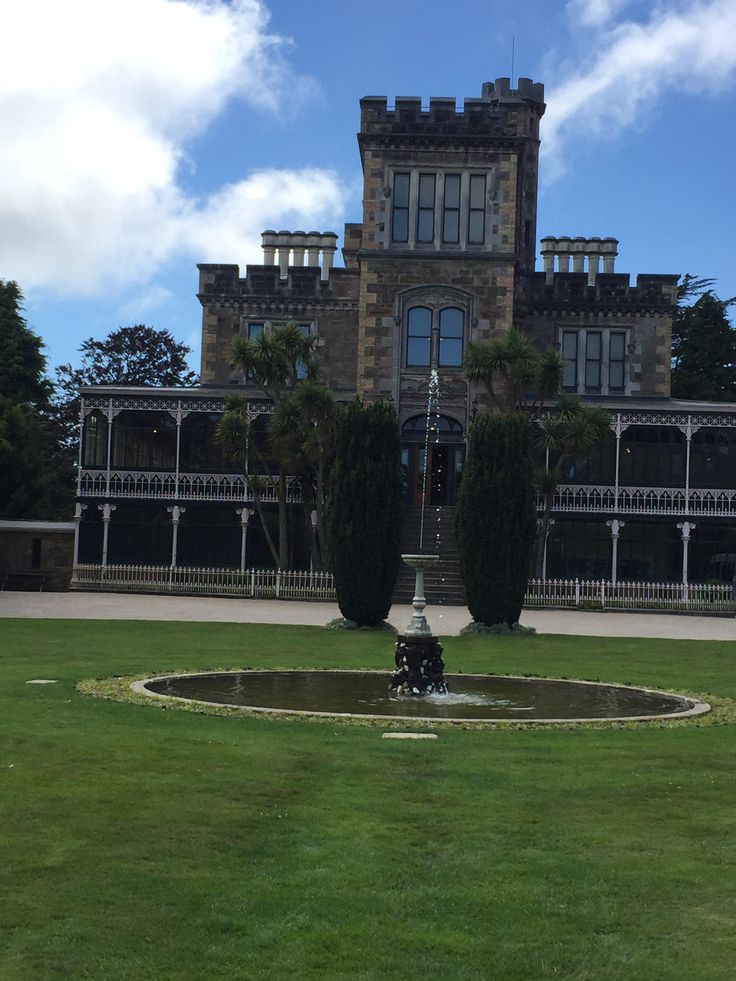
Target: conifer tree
495, 518
364, 512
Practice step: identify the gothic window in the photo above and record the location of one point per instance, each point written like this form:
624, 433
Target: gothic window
434, 337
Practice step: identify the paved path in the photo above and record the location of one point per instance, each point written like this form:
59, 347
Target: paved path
445, 620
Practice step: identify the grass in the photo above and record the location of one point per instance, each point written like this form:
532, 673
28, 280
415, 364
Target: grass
139, 843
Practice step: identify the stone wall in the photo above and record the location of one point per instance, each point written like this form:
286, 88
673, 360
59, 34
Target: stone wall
54, 555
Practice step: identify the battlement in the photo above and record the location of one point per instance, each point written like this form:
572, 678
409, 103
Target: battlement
609, 291
302, 284
489, 114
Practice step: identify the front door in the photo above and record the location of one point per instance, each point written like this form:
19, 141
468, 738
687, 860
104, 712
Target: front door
440, 484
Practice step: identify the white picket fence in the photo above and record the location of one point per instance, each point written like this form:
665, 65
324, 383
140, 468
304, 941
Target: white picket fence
601, 594
254, 583
301, 584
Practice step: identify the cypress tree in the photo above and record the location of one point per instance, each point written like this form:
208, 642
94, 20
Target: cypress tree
364, 511
495, 518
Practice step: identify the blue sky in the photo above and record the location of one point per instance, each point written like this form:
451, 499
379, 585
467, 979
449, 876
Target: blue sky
140, 137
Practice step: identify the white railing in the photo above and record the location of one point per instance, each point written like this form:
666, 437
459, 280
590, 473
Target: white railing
601, 594
602, 498
164, 486
254, 583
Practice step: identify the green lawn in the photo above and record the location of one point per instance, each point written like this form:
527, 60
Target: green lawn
141, 843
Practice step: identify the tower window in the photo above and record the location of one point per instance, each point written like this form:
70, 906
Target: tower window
438, 209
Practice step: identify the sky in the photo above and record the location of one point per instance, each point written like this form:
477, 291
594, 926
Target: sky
139, 137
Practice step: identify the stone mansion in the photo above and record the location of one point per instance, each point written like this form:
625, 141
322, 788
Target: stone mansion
445, 254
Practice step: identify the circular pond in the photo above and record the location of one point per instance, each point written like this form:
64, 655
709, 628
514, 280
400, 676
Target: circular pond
364, 694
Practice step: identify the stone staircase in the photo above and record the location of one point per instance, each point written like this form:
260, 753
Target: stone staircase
443, 585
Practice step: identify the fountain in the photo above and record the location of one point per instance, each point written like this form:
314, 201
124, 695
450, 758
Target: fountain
419, 664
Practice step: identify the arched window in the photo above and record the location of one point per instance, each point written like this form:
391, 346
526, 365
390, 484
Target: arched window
434, 337
417, 425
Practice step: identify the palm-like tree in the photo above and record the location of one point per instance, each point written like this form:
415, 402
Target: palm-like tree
571, 428
515, 374
281, 363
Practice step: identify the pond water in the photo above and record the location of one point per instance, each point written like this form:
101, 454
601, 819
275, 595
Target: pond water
472, 697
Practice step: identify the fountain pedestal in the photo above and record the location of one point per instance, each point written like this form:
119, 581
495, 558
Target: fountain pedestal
419, 664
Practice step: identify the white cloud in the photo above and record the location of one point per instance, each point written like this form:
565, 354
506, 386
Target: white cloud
96, 111
594, 13
151, 298
691, 49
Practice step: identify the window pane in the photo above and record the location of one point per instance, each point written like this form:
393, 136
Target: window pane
425, 214
401, 190
570, 358
426, 190
417, 351
616, 375
451, 226
420, 322
452, 190
400, 230
451, 322
593, 347
476, 227
400, 220
255, 331
617, 347
593, 360
425, 226
451, 352
478, 191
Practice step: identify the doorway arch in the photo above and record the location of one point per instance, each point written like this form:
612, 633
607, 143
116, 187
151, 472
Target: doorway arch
439, 441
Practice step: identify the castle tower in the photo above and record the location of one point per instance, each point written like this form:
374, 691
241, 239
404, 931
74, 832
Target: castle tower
449, 222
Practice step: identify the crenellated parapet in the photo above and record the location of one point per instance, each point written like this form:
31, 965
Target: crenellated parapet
567, 291
500, 110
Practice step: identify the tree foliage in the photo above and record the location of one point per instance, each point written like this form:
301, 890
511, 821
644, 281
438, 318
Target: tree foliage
36, 476
364, 511
281, 363
514, 373
703, 345
495, 518
572, 427
137, 355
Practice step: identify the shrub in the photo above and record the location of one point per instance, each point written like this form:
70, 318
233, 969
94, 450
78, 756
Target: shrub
496, 519
364, 511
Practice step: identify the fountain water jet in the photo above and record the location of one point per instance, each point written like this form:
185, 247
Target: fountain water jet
419, 664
